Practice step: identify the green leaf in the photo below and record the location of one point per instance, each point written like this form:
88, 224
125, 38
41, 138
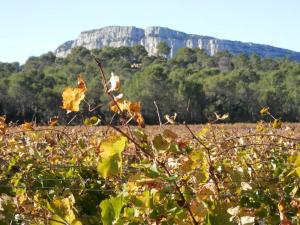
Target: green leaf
111, 209
63, 211
129, 212
111, 159
57, 220
218, 217
76, 222
199, 161
297, 170
139, 134
113, 145
94, 120
108, 166
160, 143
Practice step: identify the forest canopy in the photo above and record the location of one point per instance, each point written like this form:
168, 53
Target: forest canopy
192, 84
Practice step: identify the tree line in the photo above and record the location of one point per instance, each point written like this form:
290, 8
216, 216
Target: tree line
192, 84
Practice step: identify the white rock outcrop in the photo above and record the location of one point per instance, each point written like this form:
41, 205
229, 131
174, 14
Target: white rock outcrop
117, 36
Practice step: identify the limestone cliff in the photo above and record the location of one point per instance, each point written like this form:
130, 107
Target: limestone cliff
117, 36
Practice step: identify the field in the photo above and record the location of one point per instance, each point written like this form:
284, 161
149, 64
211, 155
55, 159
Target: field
211, 174
171, 174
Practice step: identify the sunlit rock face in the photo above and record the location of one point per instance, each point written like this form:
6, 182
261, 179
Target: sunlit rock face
117, 36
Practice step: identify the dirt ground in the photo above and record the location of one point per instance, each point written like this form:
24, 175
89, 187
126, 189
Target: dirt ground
236, 129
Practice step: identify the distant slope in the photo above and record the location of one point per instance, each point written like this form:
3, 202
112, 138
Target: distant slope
117, 36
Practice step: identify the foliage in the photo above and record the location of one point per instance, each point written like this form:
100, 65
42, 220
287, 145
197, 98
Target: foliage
90, 176
84, 177
163, 49
194, 84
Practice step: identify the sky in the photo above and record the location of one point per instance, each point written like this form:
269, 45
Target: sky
33, 27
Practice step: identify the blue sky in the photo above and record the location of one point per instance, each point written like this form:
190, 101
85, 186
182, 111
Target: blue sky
32, 27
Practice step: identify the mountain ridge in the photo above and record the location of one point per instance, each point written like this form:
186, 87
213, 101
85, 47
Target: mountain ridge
117, 36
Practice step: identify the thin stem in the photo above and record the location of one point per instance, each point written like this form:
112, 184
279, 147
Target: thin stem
92, 109
211, 168
163, 166
136, 144
158, 114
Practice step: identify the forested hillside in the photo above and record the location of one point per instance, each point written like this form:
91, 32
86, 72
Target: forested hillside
192, 84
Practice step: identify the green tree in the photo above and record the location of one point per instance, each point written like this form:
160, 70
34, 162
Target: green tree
163, 49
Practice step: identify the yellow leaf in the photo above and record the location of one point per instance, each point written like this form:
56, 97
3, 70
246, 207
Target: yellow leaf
63, 211
81, 83
281, 206
72, 98
27, 126
134, 107
56, 220
283, 218
264, 111
202, 132
276, 124
114, 83
3, 125
139, 119
112, 145
53, 121
118, 106
2, 119
260, 126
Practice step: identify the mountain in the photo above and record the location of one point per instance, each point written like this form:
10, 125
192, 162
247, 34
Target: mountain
117, 36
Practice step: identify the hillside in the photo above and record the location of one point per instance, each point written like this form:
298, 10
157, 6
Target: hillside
118, 36
192, 83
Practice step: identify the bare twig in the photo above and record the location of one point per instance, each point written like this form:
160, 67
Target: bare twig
158, 114
207, 149
163, 166
92, 109
188, 109
136, 144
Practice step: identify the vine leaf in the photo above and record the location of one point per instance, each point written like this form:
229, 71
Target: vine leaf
133, 109
63, 211
53, 121
3, 125
264, 111
277, 124
111, 156
108, 166
160, 143
81, 83
111, 209
223, 117
283, 218
94, 120
171, 119
73, 96
27, 126
114, 83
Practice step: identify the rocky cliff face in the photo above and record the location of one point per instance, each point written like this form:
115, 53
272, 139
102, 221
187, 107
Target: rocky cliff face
117, 36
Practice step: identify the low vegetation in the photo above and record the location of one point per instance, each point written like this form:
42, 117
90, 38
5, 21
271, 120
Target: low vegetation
124, 175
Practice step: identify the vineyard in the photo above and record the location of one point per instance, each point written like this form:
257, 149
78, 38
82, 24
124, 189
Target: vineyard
167, 174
